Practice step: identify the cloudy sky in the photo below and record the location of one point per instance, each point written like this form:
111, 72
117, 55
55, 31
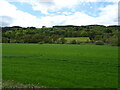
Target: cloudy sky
38, 13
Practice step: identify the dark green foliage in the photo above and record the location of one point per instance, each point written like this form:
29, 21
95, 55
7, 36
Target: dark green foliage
41, 42
5, 40
92, 34
99, 43
62, 41
108, 31
84, 34
56, 34
73, 42
98, 37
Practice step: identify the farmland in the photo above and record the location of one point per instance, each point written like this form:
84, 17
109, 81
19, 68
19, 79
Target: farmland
61, 65
78, 39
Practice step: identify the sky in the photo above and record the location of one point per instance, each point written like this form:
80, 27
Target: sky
38, 13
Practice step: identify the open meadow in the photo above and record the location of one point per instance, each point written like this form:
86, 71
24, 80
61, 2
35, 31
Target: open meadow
60, 65
78, 39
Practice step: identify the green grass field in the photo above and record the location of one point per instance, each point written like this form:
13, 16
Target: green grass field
62, 66
78, 39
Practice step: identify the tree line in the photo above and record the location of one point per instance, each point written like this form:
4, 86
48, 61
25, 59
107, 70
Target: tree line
56, 34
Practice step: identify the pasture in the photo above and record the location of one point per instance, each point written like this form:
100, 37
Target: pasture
78, 39
61, 66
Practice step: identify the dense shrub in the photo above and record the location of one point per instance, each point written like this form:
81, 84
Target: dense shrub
114, 41
73, 42
78, 42
99, 43
41, 42
92, 41
57, 34
87, 41
5, 40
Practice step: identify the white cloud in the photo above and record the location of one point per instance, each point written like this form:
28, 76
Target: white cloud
107, 16
19, 17
79, 19
59, 0
44, 6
